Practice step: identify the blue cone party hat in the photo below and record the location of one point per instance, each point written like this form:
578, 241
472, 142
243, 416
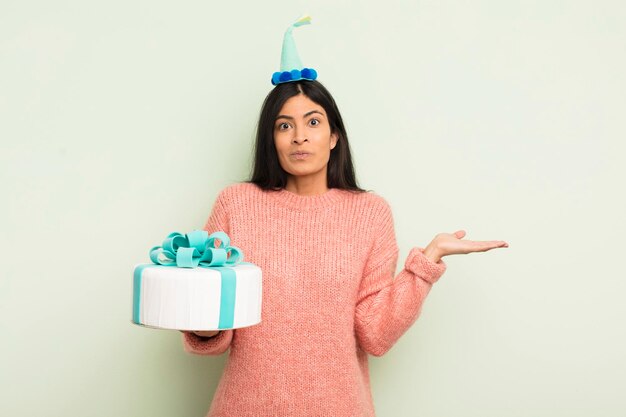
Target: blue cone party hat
291, 68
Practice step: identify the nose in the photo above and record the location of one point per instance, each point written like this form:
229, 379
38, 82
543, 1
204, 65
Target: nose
299, 136
299, 140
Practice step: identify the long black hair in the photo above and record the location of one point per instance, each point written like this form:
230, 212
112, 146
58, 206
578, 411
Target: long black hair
267, 172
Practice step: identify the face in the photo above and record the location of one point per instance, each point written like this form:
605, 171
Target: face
303, 137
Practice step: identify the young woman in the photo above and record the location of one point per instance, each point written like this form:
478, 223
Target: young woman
328, 253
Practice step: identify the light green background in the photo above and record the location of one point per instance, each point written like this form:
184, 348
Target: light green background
120, 121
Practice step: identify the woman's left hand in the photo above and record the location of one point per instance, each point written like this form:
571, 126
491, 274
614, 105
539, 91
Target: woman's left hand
445, 244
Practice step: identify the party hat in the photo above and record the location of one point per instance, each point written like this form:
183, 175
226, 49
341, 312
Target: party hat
291, 68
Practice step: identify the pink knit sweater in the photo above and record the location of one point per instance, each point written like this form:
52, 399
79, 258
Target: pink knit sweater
329, 300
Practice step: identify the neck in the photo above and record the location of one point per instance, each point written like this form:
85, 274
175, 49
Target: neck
307, 185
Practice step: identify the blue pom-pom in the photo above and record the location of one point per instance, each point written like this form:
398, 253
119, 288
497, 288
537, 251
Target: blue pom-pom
294, 75
309, 73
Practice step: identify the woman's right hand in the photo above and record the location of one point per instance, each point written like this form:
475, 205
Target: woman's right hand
202, 333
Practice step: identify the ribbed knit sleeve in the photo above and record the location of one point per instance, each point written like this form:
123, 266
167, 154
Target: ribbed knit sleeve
387, 307
218, 221
215, 345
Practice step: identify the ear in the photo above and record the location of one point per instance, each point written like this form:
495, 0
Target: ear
333, 140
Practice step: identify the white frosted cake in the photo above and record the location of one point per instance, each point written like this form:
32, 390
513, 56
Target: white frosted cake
202, 297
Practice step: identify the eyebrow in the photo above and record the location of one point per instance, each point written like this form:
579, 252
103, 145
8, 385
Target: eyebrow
282, 116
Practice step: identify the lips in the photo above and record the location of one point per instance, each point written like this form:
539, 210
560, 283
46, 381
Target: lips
300, 155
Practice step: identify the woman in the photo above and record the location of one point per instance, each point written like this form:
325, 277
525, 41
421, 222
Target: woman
328, 253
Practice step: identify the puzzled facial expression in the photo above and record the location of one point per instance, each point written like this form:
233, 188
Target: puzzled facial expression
303, 136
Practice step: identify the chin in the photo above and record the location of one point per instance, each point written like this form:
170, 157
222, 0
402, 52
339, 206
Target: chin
302, 171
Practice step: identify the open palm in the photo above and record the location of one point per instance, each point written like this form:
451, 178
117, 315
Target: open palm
452, 244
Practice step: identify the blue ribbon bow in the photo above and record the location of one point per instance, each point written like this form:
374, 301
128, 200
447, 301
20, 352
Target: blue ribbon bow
196, 248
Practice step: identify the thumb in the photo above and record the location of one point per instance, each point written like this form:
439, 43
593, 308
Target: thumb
460, 234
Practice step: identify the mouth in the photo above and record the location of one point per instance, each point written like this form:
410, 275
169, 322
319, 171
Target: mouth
300, 155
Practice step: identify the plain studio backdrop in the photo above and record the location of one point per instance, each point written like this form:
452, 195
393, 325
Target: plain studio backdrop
120, 121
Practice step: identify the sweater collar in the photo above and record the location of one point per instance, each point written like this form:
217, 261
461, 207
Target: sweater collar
306, 202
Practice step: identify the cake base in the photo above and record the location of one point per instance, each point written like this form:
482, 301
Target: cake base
197, 299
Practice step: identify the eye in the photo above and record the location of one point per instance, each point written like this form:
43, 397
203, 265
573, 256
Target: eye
314, 122
283, 126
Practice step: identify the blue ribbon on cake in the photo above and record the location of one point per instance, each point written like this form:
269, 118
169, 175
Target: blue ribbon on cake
197, 249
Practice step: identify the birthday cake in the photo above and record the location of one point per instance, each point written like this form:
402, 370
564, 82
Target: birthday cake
197, 281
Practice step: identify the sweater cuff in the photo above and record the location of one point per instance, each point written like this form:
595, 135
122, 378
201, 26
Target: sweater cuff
423, 267
207, 345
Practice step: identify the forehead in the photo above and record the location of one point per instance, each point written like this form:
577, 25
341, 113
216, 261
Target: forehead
300, 105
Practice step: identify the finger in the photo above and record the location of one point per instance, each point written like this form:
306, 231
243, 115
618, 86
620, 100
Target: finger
498, 243
491, 244
459, 234
469, 246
